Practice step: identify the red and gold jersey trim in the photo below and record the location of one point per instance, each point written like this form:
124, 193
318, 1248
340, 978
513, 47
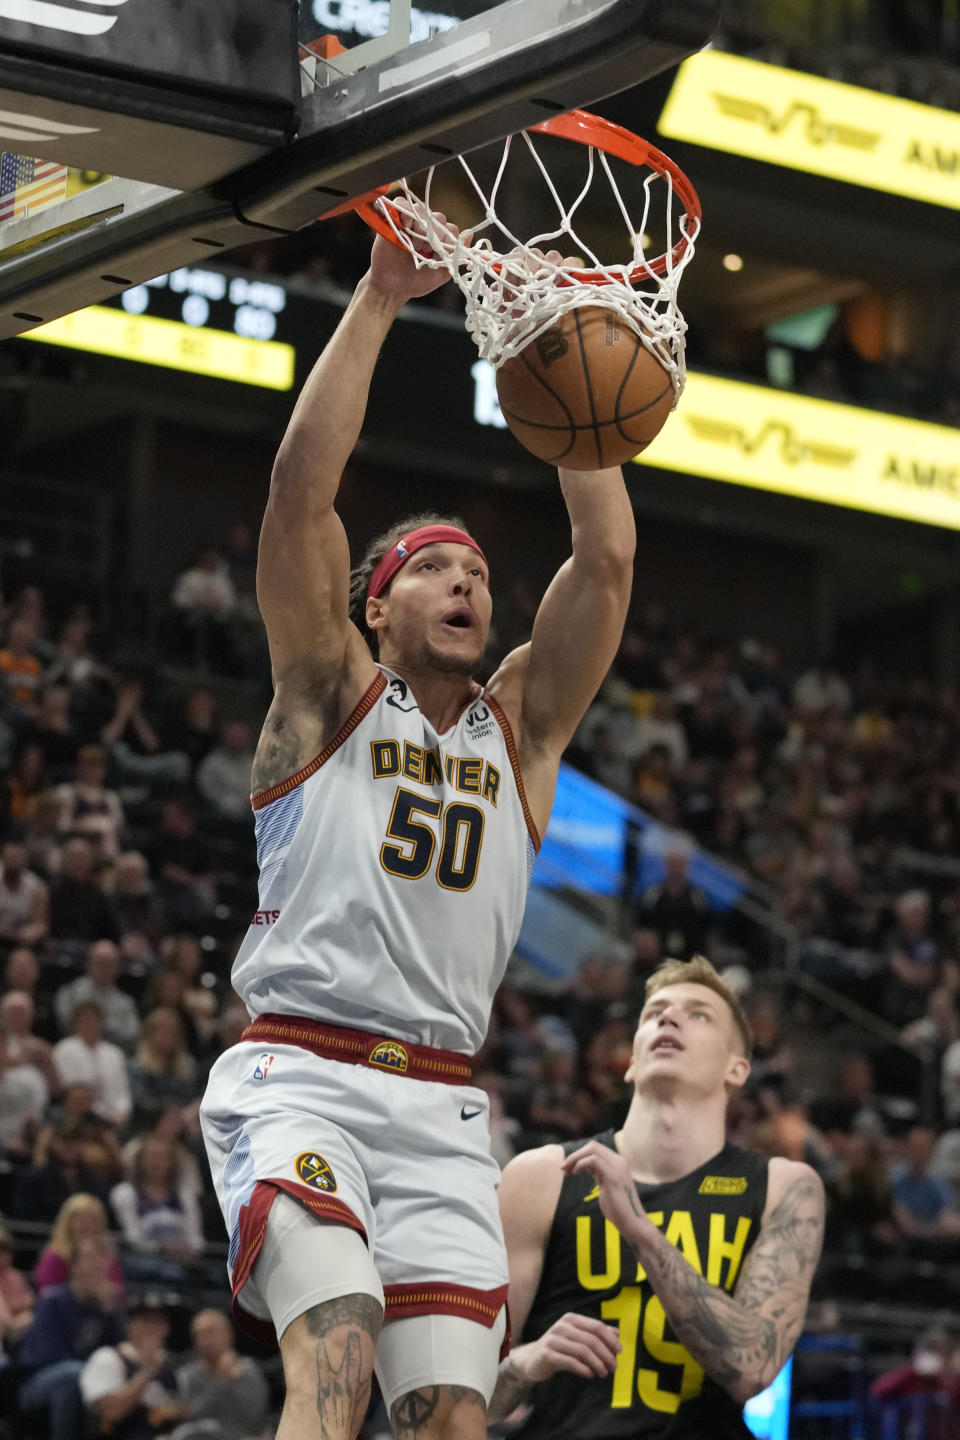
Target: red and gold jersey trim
359, 712
511, 745
360, 1047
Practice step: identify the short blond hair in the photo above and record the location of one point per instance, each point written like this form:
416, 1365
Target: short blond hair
699, 971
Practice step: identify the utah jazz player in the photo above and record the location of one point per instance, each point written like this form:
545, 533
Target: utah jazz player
658, 1276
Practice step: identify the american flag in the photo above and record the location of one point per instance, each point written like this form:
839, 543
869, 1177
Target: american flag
29, 184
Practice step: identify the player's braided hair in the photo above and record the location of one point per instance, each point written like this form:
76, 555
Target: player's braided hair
374, 553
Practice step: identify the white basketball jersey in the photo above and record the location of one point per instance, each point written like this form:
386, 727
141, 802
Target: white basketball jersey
393, 875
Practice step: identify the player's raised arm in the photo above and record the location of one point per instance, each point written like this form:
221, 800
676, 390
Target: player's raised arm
303, 565
741, 1340
578, 626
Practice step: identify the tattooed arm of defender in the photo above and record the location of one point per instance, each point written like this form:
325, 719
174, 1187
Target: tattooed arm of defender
741, 1340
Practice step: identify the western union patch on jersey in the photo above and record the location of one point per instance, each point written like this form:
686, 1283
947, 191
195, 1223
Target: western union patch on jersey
723, 1185
390, 1055
314, 1171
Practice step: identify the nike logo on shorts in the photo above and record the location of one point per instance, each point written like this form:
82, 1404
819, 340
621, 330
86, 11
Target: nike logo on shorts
466, 1114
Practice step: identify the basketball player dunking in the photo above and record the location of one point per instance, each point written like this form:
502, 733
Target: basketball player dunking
663, 1330
398, 807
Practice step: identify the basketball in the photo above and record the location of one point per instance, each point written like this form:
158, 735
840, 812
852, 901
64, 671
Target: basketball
586, 393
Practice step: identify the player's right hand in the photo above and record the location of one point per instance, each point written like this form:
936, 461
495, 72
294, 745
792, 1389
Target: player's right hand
577, 1343
394, 270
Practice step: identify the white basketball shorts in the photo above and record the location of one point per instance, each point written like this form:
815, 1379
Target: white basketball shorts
404, 1161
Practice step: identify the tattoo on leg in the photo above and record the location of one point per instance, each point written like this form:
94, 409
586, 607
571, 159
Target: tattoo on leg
343, 1379
413, 1413
460, 1393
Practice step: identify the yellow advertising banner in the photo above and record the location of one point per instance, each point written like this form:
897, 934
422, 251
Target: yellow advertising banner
812, 449
821, 126
173, 345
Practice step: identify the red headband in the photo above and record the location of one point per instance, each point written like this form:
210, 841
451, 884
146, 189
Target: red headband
400, 553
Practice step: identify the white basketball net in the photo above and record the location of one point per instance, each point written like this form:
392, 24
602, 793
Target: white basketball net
513, 294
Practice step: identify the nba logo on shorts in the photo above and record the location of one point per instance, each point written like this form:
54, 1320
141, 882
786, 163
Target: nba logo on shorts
263, 1065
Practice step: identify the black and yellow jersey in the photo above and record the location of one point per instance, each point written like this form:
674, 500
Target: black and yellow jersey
658, 1391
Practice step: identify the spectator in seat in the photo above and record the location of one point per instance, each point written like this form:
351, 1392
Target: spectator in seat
58, 1171
821, 688
929, 1373
180, 863
17, 1299
134, 745
204, 600
194, 730
30, 604
23, 1099
167, 989
121, 1023
131, 1387
134, 899
85, 1058
99, 1146
185, 955
223, 776
53, 730
24, 785
860, 1215
23, 1047
678, 911
71, 1322
174, 1127
163, 1072
22, 973
160, 1219
88, 807
81, 1217
20, 669
79, 908
655, 784
914, 956
24, 900
219, 1386
43, 841
661, 727
939, 1026
74, 664
925, 1207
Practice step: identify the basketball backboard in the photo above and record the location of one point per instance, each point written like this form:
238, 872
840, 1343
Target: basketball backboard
203, 172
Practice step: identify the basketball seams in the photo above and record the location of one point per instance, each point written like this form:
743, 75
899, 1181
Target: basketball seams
573, 429
623, 420
529, 424
589, 386
571, 426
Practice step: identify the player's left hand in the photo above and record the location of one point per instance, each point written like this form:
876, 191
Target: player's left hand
618, 1194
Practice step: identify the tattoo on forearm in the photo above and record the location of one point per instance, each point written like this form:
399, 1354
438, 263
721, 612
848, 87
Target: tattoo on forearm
743, 1336
631, 1195
344, 1374
413, 1413
509, 1390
